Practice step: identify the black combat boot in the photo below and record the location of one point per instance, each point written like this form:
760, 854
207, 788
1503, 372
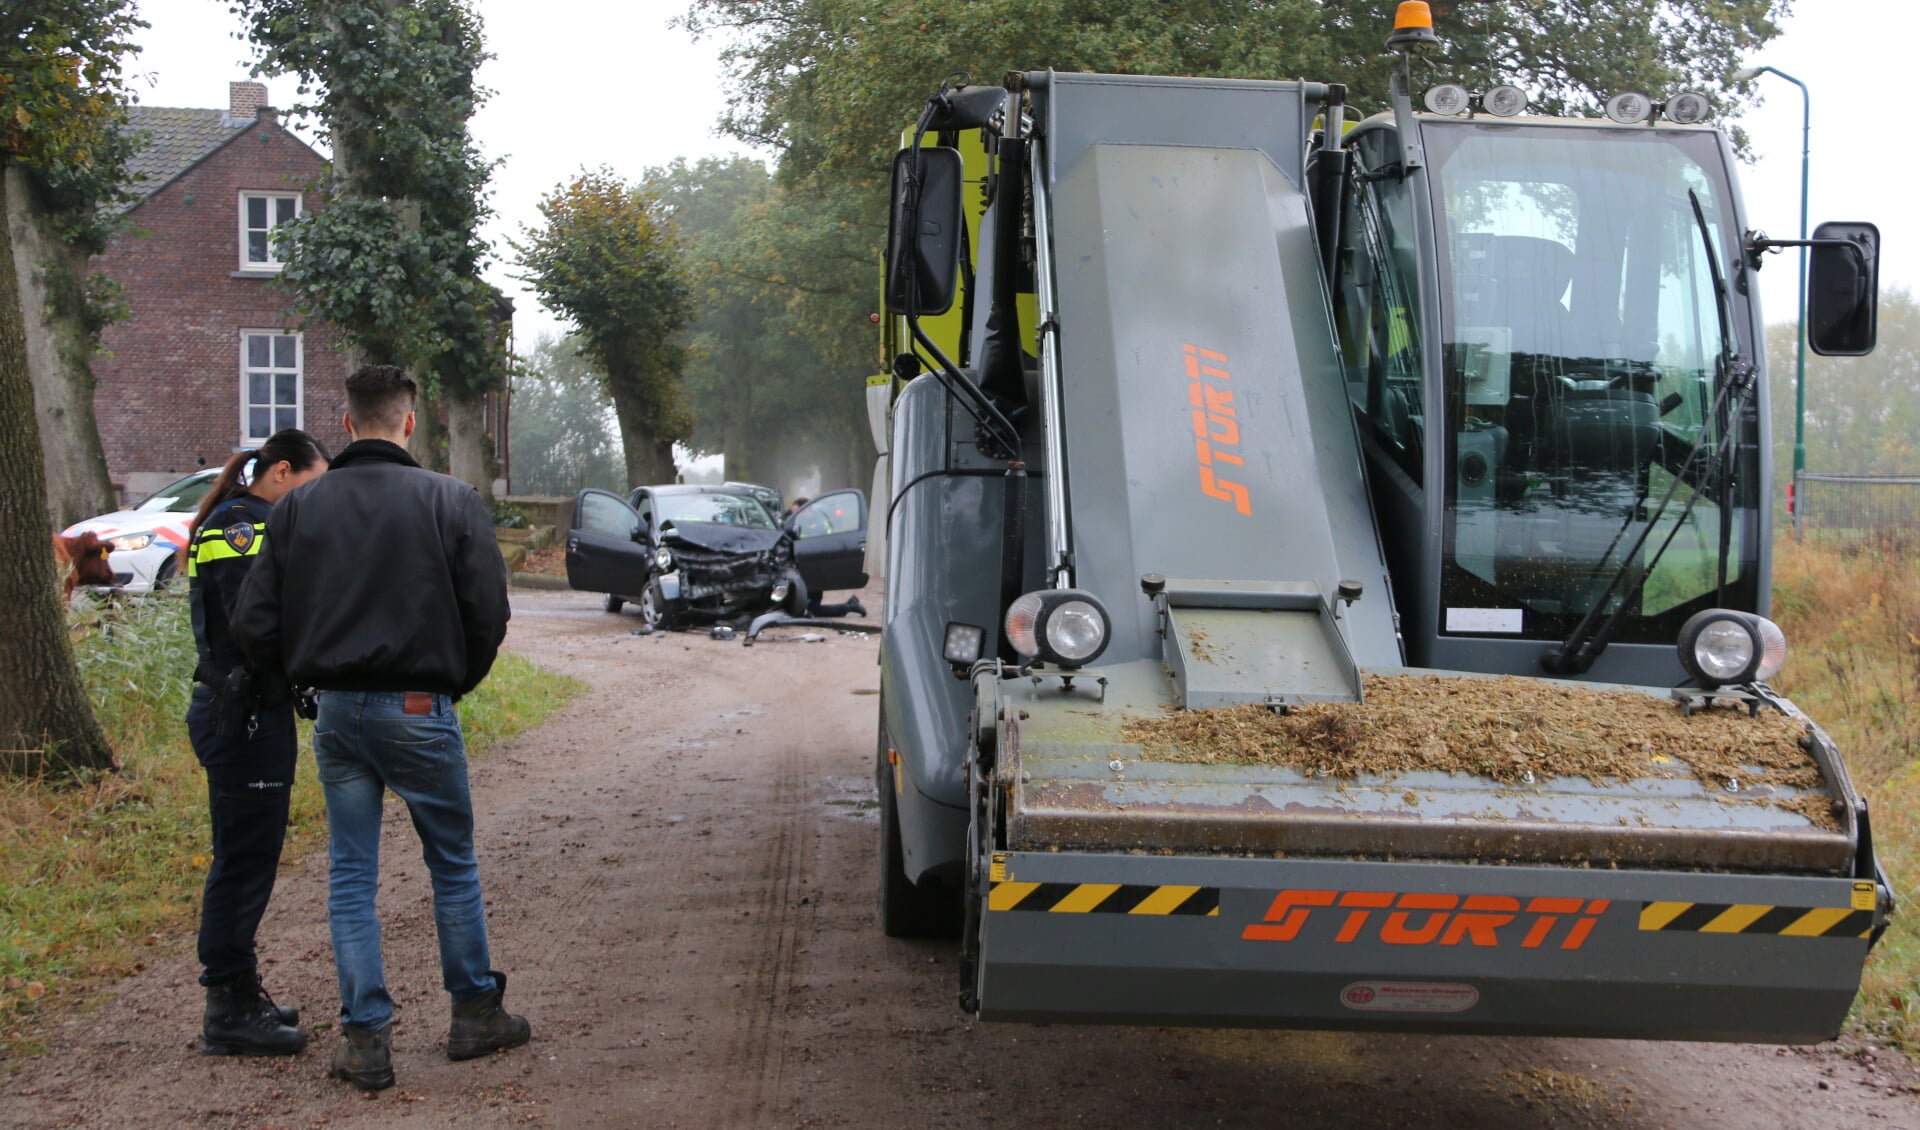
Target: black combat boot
481, 1025
284, 1013
241, 1020
854, 606
365, 1058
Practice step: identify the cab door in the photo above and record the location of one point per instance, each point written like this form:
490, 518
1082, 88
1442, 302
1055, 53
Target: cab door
605, 549
830, 541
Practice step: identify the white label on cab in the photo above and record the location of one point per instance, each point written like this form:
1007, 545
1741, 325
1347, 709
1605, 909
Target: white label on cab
1484, 620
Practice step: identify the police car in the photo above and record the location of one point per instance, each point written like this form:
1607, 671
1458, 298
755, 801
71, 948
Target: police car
144, 542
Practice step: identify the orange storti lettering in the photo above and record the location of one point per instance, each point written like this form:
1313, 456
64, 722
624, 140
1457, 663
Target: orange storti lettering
1421, 918
1216, 426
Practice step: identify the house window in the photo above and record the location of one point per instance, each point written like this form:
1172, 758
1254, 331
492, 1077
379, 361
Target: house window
270, 380
260, 214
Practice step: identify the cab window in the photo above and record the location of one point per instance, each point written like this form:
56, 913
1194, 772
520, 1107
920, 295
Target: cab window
1375, 305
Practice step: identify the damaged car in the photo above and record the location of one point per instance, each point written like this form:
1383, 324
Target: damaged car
693, 554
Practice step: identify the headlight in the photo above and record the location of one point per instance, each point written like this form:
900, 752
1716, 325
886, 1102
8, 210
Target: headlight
1719, 647
126, 542
780, 590
1067, 627
663, 559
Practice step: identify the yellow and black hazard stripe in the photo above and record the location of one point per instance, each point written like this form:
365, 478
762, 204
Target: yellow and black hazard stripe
1751, 918
1105, 898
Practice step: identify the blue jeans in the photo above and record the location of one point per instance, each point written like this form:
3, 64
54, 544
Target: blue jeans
363, 745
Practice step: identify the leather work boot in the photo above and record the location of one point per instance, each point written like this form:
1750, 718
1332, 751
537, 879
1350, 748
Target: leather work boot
242, 1020
286, 1014
854, 606
481, 1024
365, 1057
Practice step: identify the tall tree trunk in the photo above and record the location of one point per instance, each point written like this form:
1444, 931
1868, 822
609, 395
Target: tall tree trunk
637, 441
736, 450
46, 722
52, 299
665, 467
429, 444
469, 444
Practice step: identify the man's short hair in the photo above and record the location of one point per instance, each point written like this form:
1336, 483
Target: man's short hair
379, 398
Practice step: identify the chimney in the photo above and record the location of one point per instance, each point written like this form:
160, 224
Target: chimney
245, 100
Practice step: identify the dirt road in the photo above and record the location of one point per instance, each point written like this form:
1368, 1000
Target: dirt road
680, 877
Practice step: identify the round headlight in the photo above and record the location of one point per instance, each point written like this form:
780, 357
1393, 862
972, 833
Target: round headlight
1629, 108
1447, 98
780, 590
1724, 650
1504, 101
1688, 108
663, 559
1721, 646
1076, 631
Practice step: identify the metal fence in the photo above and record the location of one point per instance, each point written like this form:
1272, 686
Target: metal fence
1857, 507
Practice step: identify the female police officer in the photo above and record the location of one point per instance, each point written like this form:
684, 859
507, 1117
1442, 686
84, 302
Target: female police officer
243, 734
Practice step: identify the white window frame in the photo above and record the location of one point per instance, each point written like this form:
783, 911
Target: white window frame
270, 263
298, 371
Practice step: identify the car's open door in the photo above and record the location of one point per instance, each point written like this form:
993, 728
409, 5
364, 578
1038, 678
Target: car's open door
830, 541
605, 552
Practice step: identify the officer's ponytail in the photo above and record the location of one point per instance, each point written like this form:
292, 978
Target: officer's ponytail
291, 446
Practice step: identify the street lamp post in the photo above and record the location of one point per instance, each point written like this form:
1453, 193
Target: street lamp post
1800, 357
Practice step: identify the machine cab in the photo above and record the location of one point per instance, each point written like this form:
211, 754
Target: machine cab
1558, 412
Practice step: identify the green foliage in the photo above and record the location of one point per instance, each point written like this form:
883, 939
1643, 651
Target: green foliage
761, 389
63, 106
564, 438
1863, 413
507, 516
608, 258
94, 872
394, 258
830, 83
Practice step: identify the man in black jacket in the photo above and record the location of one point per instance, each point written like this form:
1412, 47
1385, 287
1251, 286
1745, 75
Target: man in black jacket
381, 585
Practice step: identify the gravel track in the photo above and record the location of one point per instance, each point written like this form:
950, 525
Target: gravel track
679, 871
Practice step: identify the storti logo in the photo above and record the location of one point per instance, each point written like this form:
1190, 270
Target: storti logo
1423, 919
1216, 426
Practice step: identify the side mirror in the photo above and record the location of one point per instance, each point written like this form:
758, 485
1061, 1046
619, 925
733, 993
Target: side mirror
1843, 290
923, 230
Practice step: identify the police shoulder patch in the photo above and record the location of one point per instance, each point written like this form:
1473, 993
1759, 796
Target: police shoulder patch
239, 535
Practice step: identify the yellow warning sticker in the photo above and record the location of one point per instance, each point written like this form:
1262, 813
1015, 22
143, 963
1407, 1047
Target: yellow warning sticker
1865, 897
997, 872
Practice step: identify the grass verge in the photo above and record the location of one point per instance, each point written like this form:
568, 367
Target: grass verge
1852, 618
94, 873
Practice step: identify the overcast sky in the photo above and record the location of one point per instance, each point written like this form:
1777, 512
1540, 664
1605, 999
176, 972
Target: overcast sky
590, 82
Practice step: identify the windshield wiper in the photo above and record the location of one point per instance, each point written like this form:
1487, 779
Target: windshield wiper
1734, 377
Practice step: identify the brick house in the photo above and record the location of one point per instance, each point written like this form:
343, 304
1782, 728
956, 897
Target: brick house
212, 359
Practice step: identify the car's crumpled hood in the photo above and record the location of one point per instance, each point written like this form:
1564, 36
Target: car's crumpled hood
720, 537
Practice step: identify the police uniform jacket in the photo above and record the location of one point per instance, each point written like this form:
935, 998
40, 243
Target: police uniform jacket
377, 576
224, 547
